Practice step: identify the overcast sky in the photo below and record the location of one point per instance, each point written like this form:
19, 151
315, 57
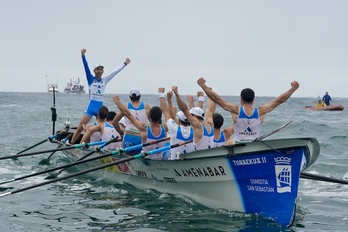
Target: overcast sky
258, 44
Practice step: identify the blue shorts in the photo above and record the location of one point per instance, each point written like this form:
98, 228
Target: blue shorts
130, 140
93, 108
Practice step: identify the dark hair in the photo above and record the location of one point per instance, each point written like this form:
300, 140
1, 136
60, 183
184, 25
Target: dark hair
184, 123
155, 114
102, 112
110, 116
247, 95
134, 97
218, 120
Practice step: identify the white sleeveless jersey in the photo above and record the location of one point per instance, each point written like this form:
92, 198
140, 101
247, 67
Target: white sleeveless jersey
221, 141
206, 140
139, 113
151, 137
247, 127
110, 133
179, 133
96, 136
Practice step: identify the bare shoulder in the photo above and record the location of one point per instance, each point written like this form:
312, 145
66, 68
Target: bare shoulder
266, 108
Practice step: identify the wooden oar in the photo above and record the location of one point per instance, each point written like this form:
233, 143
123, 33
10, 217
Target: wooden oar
47, 160
272, 132
51, 150
117, 152
141, 155
310, 176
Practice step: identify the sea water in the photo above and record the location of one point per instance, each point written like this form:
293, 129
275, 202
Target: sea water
84, 204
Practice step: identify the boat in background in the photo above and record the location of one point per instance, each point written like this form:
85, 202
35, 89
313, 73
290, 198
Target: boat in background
74, 87
331, 107
52, 88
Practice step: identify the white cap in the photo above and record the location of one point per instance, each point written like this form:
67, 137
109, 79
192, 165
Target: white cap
197, 111
98, 65
135, 91
182, 116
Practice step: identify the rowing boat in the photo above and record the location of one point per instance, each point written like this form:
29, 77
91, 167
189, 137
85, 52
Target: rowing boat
260, 177
331, 107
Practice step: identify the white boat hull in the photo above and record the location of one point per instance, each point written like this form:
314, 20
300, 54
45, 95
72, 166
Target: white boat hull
259, 177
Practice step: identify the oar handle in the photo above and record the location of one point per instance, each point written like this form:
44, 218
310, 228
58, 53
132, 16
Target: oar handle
114, 140
91, 144
139, 146
155, 141
158, 150
144, 154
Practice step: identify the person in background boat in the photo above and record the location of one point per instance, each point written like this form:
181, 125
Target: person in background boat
97, 85
106, 130
179, 127
327, 99
320, 103
140, 111
149, 132
247, 119
203, 132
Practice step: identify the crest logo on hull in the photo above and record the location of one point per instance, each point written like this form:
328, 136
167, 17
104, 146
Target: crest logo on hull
283, 174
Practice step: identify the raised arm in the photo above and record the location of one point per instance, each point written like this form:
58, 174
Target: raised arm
191, 101
216, 98
163, 104
89, 75
171, 108
209, 112
193, 121
117, 70
200, 96
279, 100
115, 122
139, 125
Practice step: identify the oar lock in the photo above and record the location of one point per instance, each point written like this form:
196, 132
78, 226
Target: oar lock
85, 145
